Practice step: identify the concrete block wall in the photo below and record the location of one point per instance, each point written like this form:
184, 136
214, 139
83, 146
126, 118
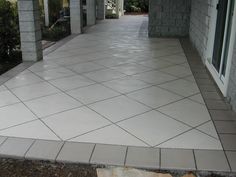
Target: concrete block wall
169, 18
199, 25
232, 80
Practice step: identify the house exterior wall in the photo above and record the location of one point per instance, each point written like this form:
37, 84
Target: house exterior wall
169, 18
232, 80
199, 25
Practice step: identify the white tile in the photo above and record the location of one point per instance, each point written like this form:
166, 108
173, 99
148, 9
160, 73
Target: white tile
69, 83
177, 59
15, 114
153, 127
119, 108
181, 87
198, 98
7, 98
131, 68
54, 73
52, 104
34, 91
154, 97
178, 71
209, 129
156, 64
85, 67
104, 75
43, 66
109, 62
193, 140
2, 88
92, 93
187, 111
75, 122
110, 135
21, 80
154, 77
127, 84
34, 130
190, 78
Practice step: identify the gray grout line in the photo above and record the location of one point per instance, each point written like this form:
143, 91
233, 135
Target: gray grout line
35, 115
29, 148
194, 158
64, 142
126, 153
92, 153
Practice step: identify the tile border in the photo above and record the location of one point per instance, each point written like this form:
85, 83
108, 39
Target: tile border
205, 84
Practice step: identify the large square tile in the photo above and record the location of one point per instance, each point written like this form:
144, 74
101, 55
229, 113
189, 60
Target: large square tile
104, 75
2, 88
209, 128
15, 114
154, 77
75, 122
156, 64
126, 85
23, 79
55, 73
131, 68
73, 82
176, 59
34, 91
43, 66
187, 111
153, 127
181, 87
154, 97
232, 159
110, 135
52, 104
177, 71
34, 129
111, 108
109, 62
7, 98
92, 93
85, 67
192, 140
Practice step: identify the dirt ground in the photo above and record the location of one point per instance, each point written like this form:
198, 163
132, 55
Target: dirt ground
26, 168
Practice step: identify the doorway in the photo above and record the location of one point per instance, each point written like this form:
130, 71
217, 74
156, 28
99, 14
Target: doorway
218, 62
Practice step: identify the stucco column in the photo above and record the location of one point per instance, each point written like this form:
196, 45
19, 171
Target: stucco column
91, 12
76, 16
30, 31
117, 9
46, 12
101, 9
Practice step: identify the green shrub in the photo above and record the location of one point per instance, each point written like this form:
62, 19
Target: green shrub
54, 10
136, 5
9, 29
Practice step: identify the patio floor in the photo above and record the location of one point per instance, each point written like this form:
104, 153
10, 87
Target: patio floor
111, 85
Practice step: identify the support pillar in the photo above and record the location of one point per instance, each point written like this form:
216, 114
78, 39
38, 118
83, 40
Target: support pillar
101, 11
30, 31
76, 16
117, 9
91, 12
46, 12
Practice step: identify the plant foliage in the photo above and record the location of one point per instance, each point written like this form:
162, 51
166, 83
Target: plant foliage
9, 29
136, 5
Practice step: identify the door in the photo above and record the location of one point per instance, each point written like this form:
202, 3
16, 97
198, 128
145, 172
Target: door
220, 43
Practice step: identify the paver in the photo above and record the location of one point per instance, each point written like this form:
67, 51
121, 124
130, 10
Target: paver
75, 152
211, 160
44, 150
177, 159
143, 157
15, 147
107, 154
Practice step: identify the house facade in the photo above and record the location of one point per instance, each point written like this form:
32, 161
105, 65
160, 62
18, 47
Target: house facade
210, 25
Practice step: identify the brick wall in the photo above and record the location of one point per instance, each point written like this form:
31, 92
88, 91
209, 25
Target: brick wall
232, 80
199, 24
169, 18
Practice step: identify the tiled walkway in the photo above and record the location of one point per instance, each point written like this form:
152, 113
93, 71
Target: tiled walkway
111, 85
